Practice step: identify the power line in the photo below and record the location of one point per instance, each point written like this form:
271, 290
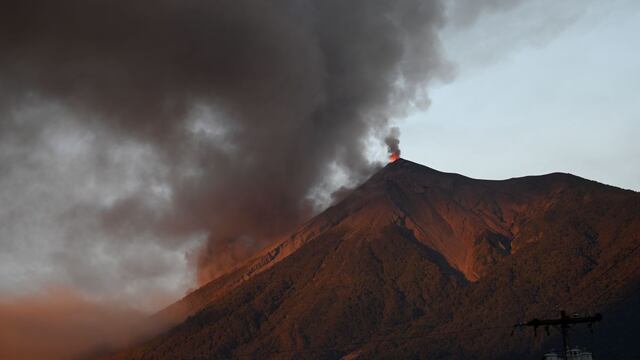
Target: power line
572, 296
610, 289
564, 323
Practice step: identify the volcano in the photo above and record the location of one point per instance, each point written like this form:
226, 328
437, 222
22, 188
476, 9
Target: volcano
417, 263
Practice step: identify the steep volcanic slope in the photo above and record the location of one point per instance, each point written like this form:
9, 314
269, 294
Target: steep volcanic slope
468, 228
411, 255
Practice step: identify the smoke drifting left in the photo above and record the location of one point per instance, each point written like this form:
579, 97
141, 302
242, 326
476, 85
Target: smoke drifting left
61, 324
244, 105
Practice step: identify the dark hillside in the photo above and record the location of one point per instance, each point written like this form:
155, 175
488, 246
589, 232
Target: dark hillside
417, 263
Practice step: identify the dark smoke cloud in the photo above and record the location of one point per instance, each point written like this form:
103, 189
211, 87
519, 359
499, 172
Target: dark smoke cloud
242, 107
393, 143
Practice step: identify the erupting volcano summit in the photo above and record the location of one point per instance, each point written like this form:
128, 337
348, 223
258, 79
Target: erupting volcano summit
417, 263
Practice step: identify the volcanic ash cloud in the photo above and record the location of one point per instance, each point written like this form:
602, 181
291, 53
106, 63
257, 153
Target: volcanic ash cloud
243, 106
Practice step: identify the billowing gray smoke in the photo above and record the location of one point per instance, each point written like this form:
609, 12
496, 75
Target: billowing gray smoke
393, 143
249, 105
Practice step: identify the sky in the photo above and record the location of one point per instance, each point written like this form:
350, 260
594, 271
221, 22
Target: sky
536, 96
98, 199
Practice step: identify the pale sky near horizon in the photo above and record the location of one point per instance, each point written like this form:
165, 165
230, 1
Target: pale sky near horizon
525, 101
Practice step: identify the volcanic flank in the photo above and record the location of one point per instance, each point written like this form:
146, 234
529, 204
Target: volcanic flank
416, 263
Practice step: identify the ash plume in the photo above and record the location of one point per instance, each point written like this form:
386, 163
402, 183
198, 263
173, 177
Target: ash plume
241, 106
393, 143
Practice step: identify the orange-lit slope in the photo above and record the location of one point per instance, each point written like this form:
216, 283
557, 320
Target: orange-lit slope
406, 194
413, 252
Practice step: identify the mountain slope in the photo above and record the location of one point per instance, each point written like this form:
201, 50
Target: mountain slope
411, 255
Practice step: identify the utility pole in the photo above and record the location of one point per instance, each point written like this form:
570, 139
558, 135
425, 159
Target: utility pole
564, 323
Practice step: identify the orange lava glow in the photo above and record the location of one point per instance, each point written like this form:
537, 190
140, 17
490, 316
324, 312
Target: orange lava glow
393, 157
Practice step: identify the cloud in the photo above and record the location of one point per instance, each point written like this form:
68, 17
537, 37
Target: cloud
481, 33
195, 119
